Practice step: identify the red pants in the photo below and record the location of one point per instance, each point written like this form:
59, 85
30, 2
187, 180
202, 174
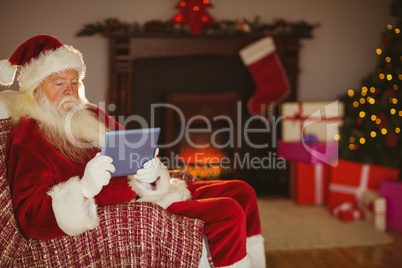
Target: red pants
229, 210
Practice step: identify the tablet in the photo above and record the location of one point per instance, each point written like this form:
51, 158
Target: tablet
130, 149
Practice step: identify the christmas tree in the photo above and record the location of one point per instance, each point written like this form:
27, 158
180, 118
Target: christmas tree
193, 14
371, 131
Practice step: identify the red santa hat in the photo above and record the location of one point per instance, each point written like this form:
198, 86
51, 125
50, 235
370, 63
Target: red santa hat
39, 57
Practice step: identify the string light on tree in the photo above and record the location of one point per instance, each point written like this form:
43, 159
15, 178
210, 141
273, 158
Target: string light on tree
337, 137
371, 129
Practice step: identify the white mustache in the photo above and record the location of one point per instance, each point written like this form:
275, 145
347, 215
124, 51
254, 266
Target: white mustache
68, 99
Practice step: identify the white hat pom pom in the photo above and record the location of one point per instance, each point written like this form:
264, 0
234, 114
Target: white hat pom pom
7, 72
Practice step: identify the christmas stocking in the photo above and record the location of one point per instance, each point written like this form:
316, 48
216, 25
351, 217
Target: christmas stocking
271, 83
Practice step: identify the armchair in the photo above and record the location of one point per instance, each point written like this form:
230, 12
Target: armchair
129, 235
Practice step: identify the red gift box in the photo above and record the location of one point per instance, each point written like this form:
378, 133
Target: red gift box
347, 212
349, 179
309, 183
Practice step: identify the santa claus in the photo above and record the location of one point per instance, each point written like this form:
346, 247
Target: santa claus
58, 178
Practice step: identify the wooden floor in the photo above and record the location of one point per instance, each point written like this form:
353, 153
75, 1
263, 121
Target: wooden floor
389, 256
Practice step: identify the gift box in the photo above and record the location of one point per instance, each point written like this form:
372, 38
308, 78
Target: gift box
392, 192
309, 183
348, 180
374, 208
311, 153
347, 212
304, 118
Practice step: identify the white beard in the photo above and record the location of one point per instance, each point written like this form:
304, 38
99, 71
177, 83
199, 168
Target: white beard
70, 127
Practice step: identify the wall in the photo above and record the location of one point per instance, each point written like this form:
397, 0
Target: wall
340, 54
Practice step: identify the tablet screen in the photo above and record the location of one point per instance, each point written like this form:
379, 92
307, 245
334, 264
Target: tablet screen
130, 149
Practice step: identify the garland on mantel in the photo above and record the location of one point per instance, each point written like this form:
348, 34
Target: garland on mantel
114, 25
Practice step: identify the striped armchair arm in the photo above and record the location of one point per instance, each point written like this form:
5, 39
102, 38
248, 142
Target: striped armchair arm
129, 235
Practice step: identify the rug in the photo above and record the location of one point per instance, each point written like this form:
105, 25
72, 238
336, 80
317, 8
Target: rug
287, 226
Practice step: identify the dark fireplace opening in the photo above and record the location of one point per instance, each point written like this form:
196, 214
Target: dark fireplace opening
153, 79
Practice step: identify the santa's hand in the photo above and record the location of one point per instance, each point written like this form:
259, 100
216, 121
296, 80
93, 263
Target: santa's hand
96, 175
152, 170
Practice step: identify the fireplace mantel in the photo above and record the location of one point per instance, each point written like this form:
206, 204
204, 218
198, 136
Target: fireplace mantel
124, 48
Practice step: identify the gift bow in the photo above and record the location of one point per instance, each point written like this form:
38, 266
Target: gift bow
298, 116
357, 191
346, 207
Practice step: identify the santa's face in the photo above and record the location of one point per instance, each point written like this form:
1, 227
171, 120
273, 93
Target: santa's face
62, 88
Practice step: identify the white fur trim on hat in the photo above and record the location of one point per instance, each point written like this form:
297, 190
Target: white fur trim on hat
73, 214
257, 50
7, 72
51, 62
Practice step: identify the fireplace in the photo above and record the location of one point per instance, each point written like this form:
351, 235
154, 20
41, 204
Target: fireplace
209, 145
145, 69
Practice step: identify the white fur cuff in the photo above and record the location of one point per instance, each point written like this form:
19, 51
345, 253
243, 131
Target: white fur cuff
256, 250
257, 50
243, 263
74, 215
165, 191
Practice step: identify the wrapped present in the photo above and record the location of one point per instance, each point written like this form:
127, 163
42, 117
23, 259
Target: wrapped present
392, 192
374, 208
311, 153
347, 212
309, 183
304, 118
348, 180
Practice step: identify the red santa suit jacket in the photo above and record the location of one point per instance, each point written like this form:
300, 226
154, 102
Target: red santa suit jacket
46, 198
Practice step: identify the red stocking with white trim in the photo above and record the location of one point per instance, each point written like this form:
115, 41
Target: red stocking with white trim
271, 82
